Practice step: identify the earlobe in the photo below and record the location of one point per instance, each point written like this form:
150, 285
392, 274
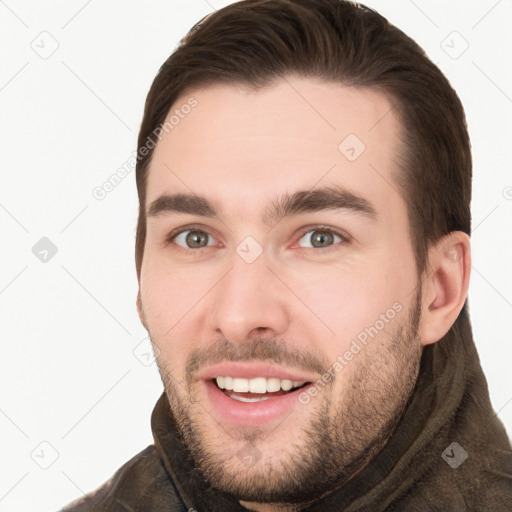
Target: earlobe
445, 286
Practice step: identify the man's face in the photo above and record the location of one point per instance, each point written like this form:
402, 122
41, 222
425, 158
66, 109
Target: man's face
299, 272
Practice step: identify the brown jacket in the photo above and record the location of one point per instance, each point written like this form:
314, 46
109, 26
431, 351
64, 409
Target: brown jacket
450, 452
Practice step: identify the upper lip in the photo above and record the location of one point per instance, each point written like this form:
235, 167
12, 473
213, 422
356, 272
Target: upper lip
247, 370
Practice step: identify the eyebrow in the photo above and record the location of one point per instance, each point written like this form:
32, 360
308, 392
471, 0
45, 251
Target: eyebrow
302, 201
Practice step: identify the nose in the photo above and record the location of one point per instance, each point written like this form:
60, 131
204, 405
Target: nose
249, 302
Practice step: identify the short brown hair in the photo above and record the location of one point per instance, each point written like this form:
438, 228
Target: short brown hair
255, 42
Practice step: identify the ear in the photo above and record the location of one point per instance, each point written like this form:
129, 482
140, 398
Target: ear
445, 285
142, 318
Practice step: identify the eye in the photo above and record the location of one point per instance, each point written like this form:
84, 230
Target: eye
320, 238
193, 239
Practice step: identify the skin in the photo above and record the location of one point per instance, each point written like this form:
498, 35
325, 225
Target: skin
241, 149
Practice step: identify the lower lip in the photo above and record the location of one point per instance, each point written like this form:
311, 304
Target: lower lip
252, 414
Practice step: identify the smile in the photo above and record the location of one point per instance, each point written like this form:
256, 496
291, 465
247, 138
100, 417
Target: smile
256, 389
249, 395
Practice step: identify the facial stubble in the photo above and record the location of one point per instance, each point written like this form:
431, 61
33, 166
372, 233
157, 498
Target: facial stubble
343, 433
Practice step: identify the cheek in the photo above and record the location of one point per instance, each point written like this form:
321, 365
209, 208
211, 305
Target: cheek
163, 307
349, 299
167, 289
173, 300
166, 318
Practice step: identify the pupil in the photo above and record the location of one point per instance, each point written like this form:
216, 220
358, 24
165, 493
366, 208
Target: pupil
196, 239
321, 239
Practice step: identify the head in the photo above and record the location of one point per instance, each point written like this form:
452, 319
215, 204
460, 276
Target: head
304, 177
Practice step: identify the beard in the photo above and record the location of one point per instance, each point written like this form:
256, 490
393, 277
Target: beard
343, 431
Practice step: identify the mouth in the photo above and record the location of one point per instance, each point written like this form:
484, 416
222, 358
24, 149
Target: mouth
249, 395
257, 389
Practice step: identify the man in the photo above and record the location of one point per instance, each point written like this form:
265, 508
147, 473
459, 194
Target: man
303, 255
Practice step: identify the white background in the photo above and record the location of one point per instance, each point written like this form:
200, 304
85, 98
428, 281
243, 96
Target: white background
69, 376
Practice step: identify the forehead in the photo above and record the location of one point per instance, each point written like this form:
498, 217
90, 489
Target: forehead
241, 147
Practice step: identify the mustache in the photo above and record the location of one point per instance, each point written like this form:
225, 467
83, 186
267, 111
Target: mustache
257, 349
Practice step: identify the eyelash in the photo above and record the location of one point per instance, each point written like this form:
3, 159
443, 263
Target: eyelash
345, 238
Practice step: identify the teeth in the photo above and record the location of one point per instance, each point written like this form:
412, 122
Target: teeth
228, 382
247, 399
286, 384
241, 385
273, 385
258, 385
